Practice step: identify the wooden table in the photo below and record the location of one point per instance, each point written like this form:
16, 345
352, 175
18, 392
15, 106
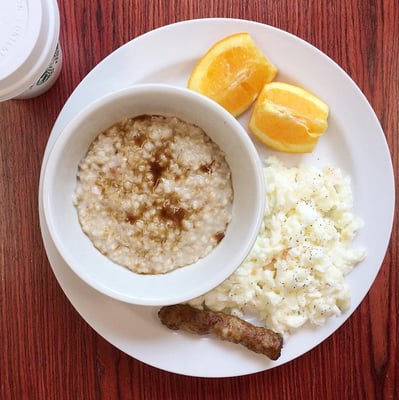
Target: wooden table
49, 352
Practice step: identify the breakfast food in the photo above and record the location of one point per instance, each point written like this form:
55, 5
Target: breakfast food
288, 118
295, 274
232, 73
154, 193
226, 327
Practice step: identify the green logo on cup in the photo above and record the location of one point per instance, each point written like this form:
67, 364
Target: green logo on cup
50, 69
45, 76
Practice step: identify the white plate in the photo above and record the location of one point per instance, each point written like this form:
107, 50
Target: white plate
354, 142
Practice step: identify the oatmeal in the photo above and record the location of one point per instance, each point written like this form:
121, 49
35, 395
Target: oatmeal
154, 194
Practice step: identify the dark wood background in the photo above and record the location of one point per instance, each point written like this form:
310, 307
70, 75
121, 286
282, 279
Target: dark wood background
49, 352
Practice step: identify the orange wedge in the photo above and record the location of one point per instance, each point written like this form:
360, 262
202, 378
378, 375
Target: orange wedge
232, 73
288, 118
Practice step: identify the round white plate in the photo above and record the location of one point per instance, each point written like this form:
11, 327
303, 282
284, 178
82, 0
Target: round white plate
354, 141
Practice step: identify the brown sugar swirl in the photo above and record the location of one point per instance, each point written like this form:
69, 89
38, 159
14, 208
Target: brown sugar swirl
154, 193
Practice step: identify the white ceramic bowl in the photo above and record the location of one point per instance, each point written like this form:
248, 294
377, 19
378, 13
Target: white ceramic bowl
75, 247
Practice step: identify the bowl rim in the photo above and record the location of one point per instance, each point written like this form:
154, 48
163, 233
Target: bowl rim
67, 132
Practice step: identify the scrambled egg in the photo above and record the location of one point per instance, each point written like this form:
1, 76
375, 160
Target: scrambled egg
295, 274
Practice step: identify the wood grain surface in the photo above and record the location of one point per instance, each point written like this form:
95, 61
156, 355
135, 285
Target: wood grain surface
49, 352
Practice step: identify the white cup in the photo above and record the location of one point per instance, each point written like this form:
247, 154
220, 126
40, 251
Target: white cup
30, 56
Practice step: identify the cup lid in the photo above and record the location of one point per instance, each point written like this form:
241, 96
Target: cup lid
28, 38
20, 23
